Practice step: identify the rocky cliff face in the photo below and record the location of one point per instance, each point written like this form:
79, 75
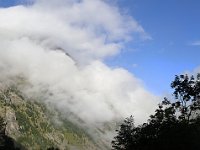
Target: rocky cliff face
32, 125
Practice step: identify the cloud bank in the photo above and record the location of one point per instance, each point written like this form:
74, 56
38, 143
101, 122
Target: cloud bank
59, 47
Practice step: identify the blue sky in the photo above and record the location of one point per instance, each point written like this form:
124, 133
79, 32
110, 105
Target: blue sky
173, 26
7, 3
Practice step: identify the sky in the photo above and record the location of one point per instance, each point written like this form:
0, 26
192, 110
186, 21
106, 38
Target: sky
98, 60
173, 47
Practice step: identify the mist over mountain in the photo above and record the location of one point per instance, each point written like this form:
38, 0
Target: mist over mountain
54, 52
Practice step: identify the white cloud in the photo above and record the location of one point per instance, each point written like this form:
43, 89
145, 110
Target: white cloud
89, 29
134, 65
196, 43
59, 47
94, 92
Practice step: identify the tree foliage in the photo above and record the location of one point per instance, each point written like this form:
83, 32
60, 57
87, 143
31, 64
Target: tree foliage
124, 135
175, 125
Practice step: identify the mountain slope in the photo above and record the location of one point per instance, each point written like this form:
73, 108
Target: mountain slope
34, 126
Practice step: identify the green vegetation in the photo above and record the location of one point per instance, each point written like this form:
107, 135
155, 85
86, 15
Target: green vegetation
35, 126
175, 125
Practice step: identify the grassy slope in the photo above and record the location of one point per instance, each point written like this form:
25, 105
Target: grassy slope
32, 125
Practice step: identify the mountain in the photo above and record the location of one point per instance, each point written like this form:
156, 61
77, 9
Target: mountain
34, 126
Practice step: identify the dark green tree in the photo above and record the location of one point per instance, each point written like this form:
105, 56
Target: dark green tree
187, 95
124, 138
175, 125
